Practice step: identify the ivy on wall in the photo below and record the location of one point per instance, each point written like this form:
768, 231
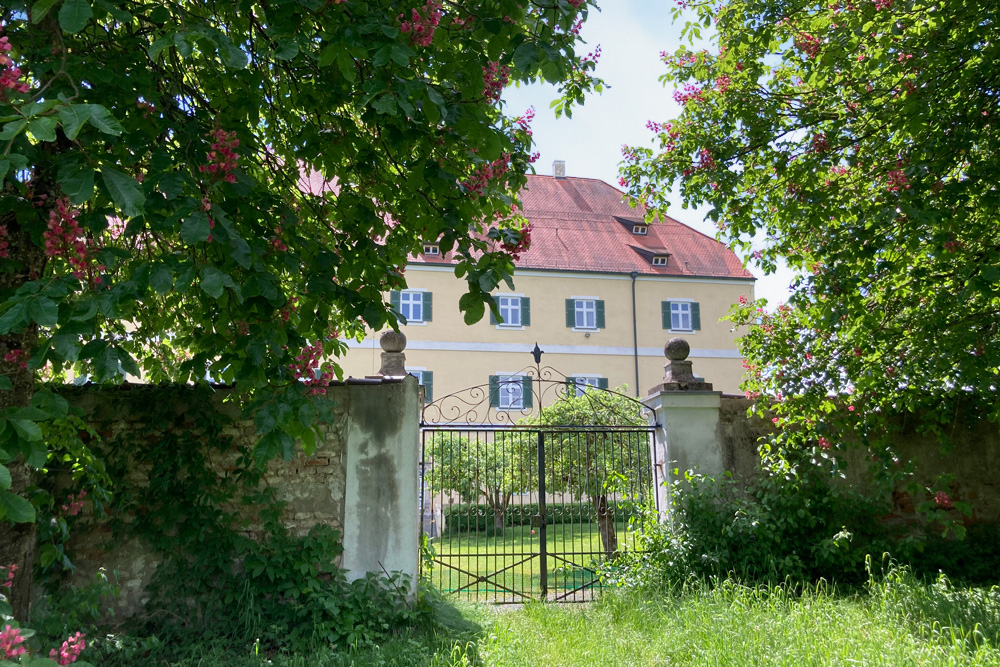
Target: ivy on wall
189, 487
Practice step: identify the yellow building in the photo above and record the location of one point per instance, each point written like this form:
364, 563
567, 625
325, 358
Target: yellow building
599, 290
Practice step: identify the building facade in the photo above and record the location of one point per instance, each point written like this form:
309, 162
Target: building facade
600, 291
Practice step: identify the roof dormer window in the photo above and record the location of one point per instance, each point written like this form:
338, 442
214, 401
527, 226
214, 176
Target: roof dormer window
659, 260
432, 249
640, 230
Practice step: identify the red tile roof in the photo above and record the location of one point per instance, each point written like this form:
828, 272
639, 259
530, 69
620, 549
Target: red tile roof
582, 224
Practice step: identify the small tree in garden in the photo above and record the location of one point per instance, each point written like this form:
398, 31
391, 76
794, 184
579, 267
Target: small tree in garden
858, 140
488, 470
226, 190
593, 465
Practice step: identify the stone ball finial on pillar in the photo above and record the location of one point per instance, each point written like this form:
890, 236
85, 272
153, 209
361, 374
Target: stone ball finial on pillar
677, 372
677, 349
393, 360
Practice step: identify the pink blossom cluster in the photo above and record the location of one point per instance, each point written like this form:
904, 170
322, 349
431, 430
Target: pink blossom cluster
16, 357
808, 44
523, 244
10, 640
722, 83
941, 499
576, 3
691, 93
10, 74
577, 24
65, 238
622, 181
495, 78
629, 153
881, 5
705, 160
524, 122
276, 241
222, 159
423, 22
896, 181
4, 243
310, 371
593, 56
9, 583
74, 503
70, 649
485, 173
824, 443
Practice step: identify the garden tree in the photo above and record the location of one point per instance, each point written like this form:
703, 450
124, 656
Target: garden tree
858, 140
486, 470
594, 464
226, 190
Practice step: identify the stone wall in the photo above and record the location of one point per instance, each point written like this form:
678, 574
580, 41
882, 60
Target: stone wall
361, 480
971, 453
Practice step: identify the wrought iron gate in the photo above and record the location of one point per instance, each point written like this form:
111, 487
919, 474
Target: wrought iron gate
516, 510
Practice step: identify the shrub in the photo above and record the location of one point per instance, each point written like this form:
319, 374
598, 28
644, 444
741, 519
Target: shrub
465, 518
773, 531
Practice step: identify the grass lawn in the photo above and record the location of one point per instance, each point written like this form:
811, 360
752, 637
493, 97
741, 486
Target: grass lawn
513, 556
898, 622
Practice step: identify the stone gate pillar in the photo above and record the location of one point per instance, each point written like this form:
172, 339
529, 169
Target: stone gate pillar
685, 411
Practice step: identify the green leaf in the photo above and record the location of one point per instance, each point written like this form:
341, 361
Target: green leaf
74, 15
27, 429
286, 49
195, 229
77, 181
41, 9
161, 279
43, 128
12, 129
44, 312
5, 478
73, 117
345, 63
213, 281
125, 191
14, 318
15, 508
385, 105
48, 554
129, 363
38, 454
102, 119
525, 56
5, 383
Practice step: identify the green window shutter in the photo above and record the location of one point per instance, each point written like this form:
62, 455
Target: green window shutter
494, 391
571, 313
526, 395
525, 311
394, 301
665, 310
602, 383
428, 380
493, 317
696, 316
600, 314
428, 306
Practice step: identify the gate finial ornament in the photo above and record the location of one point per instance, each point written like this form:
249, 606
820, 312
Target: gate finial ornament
677, 372
393, 360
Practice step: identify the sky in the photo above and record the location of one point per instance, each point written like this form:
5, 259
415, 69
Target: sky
631, 33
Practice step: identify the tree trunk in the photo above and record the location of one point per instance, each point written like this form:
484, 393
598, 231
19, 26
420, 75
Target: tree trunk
17, 540
606, 526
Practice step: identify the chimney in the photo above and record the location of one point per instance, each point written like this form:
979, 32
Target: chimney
559, 168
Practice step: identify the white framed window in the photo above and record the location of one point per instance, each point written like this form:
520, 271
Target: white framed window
586, 314
432, 249
425, 379
510, 310
511, 392
680, 316
659, 260
581, 382
639, 230
411, 306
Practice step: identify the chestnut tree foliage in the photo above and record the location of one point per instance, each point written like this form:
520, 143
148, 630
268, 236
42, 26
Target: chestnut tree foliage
858, 140
226, 190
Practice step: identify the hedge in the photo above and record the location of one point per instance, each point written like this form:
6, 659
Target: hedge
464, 517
